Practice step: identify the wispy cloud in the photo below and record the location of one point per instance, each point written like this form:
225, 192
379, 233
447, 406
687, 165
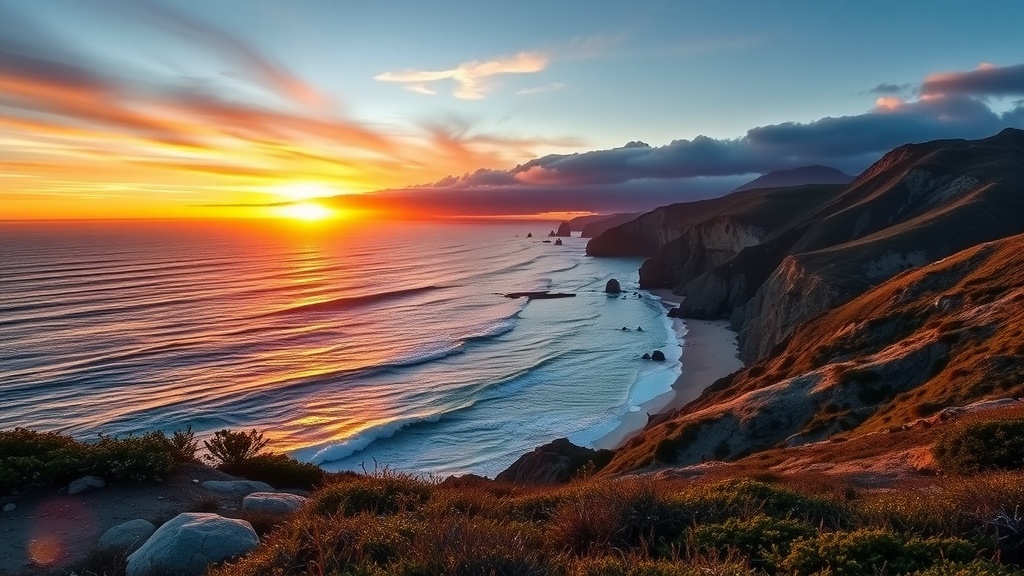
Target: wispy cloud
550, 87
420, 89
470, 77
986, 80
74, 126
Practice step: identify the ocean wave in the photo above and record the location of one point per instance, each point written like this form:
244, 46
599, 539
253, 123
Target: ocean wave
335, 452
354, 301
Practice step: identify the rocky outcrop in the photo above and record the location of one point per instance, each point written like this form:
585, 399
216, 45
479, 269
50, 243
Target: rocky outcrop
564, 230
127, 537
658, 356
698, 250
240, 487
85, 483
612, 287
597, 226
273, 503
188, 543
554, 463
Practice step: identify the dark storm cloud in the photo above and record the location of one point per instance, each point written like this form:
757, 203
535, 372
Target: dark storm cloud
985, 81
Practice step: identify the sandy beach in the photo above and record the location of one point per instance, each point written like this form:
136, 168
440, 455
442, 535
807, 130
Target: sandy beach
709, 353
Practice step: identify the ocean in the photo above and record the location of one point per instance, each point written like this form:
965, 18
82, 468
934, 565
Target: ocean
351, 345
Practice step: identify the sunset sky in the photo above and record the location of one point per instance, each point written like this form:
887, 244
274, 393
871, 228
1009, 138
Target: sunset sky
196, 108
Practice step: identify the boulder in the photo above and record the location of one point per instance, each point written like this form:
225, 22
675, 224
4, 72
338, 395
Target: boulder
529, 234
558, 241
646, 356
612, 287
9, 507
658, 356
190, 542
240, 487
85, 483
554, 463
276, 503
127, 537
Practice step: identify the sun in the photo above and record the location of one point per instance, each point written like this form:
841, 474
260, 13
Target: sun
305, 211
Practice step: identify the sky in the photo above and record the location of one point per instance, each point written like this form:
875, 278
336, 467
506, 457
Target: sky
193, 108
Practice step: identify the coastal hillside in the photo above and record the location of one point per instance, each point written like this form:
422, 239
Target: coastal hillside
946, 334
919, 203
798, 177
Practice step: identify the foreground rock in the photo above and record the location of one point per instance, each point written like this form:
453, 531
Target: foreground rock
240, 487
187, 544
612, 287
126, 538
658, 356
554, 463
275, 503
85, 483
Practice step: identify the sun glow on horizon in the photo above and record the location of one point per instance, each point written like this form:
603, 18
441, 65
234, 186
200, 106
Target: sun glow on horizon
305, 211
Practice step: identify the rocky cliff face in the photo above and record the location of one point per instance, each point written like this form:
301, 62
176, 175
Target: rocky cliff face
697, 250
946, 334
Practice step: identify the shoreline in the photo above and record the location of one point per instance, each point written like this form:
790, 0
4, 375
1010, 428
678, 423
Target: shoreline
709, 352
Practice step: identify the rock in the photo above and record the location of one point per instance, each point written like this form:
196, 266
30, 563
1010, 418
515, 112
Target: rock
674, 313
639, 329
190, 542
9, 507
564, 230
658, 356
612, 287
272, 503
554, 463
241, 487
624, 329
646, 356
127, 537
85, 483
539, 295
529, 234
551, 234
558, 241
546, 241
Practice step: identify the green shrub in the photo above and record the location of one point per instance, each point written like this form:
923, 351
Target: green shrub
381, 494
278, 470
872, 551
747, 498
762, 539
146, 458
976, 568
30, 459
615, 566
231, 447
980, 446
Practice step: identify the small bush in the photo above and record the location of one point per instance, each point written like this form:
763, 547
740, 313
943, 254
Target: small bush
146, 458
981, 446
231, 447
184, 445
381, 494
761, 538
872, 551
614, 515
746, 498
278, 470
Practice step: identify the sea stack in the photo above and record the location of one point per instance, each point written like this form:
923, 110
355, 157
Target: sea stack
612, 287
558, 241
564, 230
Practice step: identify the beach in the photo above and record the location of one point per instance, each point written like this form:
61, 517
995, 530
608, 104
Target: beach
709, 352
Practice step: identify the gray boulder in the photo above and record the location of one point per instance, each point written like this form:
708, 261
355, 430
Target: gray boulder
278, 503
190, 542
128, 537
658, 356
612, 287
85, 483
240, 487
